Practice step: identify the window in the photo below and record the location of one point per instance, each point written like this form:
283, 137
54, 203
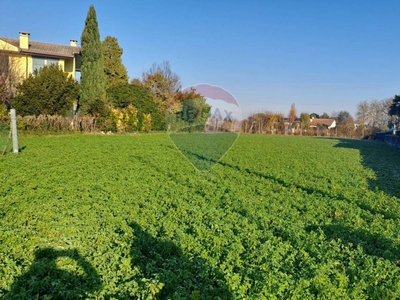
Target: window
40, 62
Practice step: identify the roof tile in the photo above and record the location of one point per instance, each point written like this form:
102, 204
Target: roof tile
40, 48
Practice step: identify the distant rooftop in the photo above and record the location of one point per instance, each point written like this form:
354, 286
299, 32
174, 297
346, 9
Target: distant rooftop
44, 49
328, 122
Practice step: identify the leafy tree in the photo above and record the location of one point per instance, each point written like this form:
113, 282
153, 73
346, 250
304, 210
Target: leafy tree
49, 91
305, 120
195, 113
314, 115
93, 82
163, 84
188, 111
4, 119
114, 69
181, 96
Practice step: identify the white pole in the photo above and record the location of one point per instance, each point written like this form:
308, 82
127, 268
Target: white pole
14, 130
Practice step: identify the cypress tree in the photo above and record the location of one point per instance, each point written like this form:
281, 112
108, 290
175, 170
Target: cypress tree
394, 109
93, 81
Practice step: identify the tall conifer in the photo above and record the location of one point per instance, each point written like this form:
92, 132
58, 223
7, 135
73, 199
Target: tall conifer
93, 81
114, 69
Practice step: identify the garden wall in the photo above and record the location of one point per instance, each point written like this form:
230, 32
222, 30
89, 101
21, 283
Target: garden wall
392, 140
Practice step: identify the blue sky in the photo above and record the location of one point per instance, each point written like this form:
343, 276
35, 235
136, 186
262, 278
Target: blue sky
324, 56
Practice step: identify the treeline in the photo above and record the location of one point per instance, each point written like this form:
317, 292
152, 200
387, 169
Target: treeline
104, 99
49, 101
371, 117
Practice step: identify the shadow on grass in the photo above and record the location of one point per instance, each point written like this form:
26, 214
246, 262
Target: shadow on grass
369, 160
45, 279
380, 158
169, 274
386, 169
309, 190
20, 149
372, 243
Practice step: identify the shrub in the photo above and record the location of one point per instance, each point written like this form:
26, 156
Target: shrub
49, 91
123, 95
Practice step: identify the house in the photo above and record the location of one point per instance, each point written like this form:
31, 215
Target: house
330, 123
26, 55
292, 127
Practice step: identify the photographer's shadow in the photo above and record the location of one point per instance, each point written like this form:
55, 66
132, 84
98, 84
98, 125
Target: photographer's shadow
46, 280
169, 274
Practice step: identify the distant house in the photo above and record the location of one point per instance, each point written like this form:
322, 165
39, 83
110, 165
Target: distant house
291, 127
330, 123
27, 55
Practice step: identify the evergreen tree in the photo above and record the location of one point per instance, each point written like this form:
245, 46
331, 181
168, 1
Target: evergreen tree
49, 91
342, 116
394, 109
93, 82
324, 116
113, 68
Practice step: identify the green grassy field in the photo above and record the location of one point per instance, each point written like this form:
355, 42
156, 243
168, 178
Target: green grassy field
128, 217
203, 150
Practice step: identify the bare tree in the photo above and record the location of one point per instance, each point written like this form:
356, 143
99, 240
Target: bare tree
9, 76
362, 114
374, 114
324, 116
259, 118
271, 119
348, 127
292, 116
379, 112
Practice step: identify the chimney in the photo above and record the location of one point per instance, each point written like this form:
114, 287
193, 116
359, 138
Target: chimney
73, 43
24, 40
